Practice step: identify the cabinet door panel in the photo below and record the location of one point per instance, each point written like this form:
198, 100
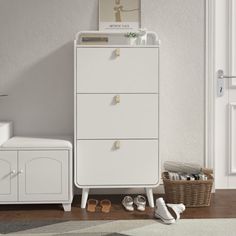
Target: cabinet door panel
8, 176
44, 175
101, 163
100, 117
99, 70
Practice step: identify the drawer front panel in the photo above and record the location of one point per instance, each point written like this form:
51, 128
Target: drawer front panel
8, 176
100, 70
101, 163
108, 116
44, 175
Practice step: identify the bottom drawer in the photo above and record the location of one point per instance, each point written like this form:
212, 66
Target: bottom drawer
117, 163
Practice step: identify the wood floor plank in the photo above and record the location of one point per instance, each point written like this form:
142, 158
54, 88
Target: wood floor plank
223, 205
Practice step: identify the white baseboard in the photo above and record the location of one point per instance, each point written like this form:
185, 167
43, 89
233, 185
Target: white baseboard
110, 191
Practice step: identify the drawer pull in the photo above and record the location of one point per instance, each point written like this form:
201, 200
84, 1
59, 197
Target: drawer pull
117, 144
117, 99
20, 172
117, 52
13, 172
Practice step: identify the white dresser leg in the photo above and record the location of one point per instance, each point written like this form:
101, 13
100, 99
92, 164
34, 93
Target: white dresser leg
67, 207
85, 193
150, 197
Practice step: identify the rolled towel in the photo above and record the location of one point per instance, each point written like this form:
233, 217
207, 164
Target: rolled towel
189, 168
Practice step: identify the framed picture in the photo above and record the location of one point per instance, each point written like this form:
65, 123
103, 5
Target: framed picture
119, 15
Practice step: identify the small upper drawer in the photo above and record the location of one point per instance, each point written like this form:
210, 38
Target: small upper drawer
117, 70
108, 116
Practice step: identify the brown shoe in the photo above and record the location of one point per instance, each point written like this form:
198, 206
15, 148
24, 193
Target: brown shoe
91, 205
106, 205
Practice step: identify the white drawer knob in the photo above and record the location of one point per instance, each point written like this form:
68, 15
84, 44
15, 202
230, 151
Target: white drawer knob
117, 52
117, 99
21, 172
13, 172
117, 144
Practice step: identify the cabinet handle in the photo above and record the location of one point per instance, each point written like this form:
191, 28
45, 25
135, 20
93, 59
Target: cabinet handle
13, 172
117, 144
117, 99
117, 52
21, 172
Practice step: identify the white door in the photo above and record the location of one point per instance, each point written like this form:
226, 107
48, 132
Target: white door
43, 176
225, 104
8, 176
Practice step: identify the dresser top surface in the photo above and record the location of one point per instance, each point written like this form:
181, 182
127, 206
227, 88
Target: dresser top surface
113, 39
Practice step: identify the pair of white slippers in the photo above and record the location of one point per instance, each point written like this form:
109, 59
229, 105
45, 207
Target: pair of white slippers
139, 201
168, 213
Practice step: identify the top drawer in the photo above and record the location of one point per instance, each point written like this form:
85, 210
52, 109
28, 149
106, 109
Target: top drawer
117, 70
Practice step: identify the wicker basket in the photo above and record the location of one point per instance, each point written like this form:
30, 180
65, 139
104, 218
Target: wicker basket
191, 193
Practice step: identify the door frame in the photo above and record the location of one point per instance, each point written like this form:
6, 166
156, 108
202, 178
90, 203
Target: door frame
210, 86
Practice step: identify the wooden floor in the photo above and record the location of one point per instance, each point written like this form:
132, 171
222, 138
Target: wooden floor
223, 205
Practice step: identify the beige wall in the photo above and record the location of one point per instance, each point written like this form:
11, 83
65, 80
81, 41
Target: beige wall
180, 25
36, 67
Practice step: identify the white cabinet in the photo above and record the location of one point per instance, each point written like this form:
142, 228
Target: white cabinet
116, 101
43, 175
8, 176
34, 170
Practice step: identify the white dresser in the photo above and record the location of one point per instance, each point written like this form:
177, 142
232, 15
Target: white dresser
116, 114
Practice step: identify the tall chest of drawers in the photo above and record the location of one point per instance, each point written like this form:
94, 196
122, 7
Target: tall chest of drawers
116, 105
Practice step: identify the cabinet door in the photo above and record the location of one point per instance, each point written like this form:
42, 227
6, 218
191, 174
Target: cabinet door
101, 70
8, 176
43, 176
131, 163
100, 116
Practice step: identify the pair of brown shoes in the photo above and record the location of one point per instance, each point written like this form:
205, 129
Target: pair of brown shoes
105, 205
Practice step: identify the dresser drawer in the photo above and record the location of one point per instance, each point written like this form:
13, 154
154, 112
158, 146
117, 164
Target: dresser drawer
101, 163
101, 70
108, 116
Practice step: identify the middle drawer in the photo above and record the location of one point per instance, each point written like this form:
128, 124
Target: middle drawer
111, 116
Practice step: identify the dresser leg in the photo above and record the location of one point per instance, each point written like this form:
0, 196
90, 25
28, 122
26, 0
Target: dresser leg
150, 197
85, 193
67, 207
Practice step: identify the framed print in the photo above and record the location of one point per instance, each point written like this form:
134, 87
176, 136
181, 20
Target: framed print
119, 15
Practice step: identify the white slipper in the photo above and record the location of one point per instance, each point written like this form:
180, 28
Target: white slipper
140, 202
177, 209
161, 212
128, 202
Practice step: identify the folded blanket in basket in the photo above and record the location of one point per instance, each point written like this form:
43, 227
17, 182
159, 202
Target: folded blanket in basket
188, 168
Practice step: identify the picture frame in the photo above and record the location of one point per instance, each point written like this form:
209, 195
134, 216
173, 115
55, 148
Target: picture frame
121, 15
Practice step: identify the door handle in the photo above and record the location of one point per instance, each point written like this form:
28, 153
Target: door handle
3, 95
221, 83
117, 144
117, 52
117, 99
221, 75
